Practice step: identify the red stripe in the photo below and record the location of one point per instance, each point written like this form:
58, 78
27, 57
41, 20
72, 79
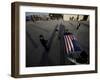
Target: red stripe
72, 47
70, 42
74, 37
71, 37
66, 44
69, 46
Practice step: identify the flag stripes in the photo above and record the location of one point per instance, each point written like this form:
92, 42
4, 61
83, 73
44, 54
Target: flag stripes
71, 43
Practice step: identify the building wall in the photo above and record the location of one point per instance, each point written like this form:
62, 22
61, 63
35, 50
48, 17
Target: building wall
67, 17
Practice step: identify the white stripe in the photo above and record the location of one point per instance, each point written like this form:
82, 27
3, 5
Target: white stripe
66, 44
71, 43
71, 36
74, 37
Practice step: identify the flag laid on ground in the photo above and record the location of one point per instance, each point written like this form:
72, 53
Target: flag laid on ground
71, 43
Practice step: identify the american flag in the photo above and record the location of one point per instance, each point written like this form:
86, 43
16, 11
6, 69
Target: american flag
71, 43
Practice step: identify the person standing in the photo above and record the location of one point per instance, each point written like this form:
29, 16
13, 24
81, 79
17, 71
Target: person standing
78, 26
78, 22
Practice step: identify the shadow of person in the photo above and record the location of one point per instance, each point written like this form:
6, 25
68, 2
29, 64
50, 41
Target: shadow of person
43, 42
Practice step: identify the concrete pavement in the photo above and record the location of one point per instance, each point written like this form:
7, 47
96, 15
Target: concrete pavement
35, 50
